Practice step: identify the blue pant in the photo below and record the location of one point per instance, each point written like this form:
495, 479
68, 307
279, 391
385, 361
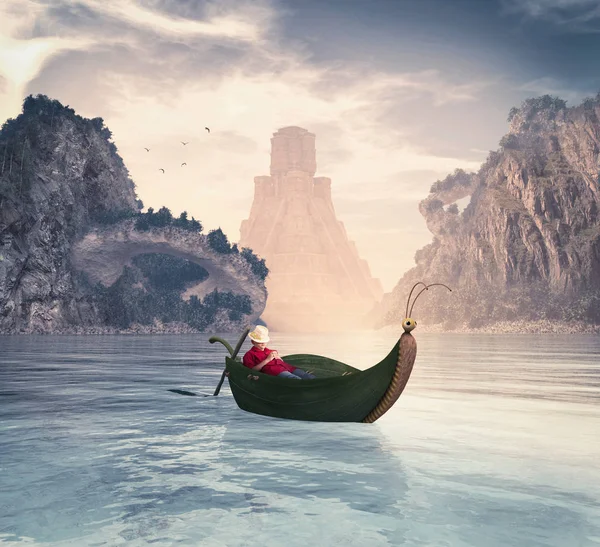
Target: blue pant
298, 374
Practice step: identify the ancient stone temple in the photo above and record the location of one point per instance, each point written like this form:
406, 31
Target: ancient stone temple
317, 281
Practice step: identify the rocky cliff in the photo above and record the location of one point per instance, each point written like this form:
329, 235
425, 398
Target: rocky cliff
527, 246
61, 182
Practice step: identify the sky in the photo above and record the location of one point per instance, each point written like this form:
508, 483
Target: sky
399, 93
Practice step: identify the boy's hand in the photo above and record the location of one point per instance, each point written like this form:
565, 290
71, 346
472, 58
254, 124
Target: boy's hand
274, 354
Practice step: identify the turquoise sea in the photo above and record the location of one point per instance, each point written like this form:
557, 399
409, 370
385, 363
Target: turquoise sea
495, 442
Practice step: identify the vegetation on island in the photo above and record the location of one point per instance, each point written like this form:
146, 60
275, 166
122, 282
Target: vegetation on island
163, 217
153, 289
219, 243
459, 178
530, 107
217, 239
33, 131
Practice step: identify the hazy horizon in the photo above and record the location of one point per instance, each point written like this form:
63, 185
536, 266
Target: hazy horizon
398, 94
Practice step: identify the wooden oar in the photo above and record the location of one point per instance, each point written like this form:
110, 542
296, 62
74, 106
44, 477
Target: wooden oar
233, 353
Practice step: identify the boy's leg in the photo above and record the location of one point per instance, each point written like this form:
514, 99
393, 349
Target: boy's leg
287, 374
303, 374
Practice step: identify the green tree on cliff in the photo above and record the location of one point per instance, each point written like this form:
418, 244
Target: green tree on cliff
219, 242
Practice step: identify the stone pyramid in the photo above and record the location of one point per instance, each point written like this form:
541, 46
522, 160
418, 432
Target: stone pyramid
317, 281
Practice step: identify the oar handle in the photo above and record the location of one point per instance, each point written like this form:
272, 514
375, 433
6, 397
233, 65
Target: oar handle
239, 345
214, 339
232, 352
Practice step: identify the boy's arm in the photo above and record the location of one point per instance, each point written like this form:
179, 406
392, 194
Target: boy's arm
249, 362
262, 363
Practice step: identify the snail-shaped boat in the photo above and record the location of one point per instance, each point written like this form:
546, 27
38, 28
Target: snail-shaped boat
339, 393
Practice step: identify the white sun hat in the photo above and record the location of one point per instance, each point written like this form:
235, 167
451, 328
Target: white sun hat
260, 335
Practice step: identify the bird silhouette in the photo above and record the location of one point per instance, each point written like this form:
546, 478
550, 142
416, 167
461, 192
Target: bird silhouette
146, 149
162, 170
184, 143
183, 164
207, 129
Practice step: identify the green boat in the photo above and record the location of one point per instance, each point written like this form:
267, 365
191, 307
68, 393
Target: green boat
339, 393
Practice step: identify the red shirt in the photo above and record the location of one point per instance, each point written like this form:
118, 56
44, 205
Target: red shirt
274, 367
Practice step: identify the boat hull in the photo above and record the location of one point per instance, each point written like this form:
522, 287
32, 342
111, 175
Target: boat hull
339, 393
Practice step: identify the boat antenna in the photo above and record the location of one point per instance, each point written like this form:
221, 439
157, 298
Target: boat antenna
411, 291
426, 289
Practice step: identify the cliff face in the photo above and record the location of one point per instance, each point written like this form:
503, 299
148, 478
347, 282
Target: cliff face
59, 172
527, 246
61, 179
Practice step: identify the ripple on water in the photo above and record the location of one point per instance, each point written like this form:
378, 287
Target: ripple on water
494, 442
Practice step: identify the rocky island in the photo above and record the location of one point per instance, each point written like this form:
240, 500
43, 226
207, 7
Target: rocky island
77, 255
524, 255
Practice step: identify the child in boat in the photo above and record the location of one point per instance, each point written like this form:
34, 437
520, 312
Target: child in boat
266, 360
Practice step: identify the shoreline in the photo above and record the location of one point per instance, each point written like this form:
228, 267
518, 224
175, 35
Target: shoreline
510, 327
157, 328
502, 327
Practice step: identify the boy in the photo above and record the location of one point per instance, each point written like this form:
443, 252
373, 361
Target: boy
266, 360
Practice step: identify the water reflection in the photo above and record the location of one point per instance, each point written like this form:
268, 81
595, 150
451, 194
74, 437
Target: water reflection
299, 459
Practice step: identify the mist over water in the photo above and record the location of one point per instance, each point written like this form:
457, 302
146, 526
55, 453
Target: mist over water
494, 442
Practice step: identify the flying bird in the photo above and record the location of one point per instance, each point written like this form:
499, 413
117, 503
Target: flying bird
162, 170
184, 143
207, 129
146, 149
183, 164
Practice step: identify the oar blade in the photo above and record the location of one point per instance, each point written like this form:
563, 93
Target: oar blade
190, 393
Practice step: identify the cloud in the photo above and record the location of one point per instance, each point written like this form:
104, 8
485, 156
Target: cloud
226, 25
401, 87
552, 86
433, 83
574, 15
21, 58
410, 186
242, 20
159, 72
33, 33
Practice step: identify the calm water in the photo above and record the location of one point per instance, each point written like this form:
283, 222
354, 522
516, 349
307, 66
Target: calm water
495, 442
